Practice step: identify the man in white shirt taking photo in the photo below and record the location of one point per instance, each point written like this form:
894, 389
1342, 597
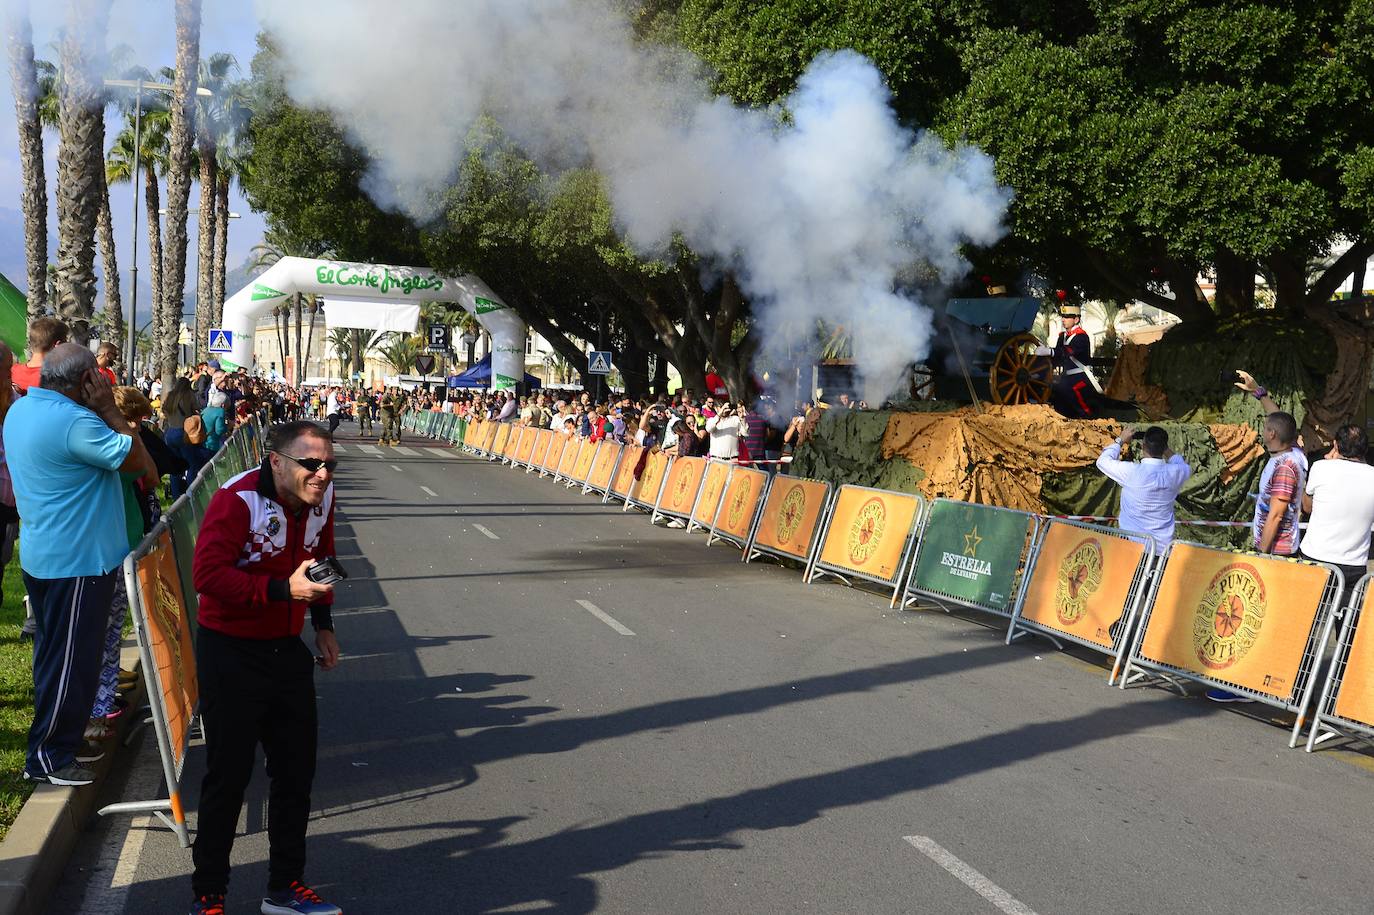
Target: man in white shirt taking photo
1150, 487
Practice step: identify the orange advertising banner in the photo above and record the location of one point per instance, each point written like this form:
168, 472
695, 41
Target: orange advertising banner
1355, 701
625, 475
498, 444
470, 433
646, 490
604, 465
680, 492
542, 439
526, 449
712, 488
1082, 582
568, 459
490, 430
168, 633
583, 468
740, 501
868, 531
1239, 618
790, 516
554, 455
513, 442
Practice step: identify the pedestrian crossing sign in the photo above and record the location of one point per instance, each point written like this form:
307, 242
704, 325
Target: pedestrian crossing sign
599, 362
221, 340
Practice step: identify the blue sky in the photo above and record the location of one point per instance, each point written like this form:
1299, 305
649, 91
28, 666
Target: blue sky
147, 27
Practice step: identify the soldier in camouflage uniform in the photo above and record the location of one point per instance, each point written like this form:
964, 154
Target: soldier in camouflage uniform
366, 401
393, 406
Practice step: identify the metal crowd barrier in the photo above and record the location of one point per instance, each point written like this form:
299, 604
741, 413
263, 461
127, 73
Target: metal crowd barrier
163, 604
1346, 706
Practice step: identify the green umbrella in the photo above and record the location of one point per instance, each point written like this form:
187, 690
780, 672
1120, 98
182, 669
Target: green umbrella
14, 321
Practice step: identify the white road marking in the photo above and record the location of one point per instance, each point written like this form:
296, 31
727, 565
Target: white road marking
340, 449
408, 452
397, 469
965, 874
369, 449
430, 491
488, 533
605, 617
120, 859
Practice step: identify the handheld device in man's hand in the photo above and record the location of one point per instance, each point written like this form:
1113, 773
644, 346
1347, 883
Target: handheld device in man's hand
1230, 376
326, 571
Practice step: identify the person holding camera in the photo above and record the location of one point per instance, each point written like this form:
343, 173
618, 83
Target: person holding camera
725, 429
1149, 488
264, 557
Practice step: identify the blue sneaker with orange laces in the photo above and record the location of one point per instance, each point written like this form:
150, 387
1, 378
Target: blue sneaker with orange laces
297, 899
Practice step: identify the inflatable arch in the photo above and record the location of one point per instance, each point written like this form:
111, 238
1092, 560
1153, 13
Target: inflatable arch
377, 283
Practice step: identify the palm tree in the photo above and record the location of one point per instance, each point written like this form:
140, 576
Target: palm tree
34, 196
400, 351
213, 76
187, 14
80, 165
119, 168
235, 111
341, 341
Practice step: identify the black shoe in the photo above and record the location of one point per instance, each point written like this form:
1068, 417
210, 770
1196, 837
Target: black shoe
74, 775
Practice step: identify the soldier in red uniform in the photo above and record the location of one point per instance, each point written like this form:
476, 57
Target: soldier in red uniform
1073, 393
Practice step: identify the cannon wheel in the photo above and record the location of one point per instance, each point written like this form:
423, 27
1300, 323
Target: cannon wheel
1018, 375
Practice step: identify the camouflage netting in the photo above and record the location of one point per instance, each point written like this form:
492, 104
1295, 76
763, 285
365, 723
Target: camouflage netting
1179, 376
1024, 457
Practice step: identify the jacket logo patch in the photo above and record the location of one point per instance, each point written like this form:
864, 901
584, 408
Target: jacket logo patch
273, 526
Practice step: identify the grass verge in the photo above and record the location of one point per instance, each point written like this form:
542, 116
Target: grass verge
16, 698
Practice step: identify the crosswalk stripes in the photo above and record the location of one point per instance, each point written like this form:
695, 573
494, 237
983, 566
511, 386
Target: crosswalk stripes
340, 449
408, 452
369, 449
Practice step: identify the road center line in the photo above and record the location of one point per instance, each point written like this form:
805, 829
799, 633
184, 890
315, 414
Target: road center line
430, 491
397, 469
971, 878
605, 617
489, 534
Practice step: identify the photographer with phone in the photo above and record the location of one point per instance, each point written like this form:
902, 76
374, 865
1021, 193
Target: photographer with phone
264, 557
725, 428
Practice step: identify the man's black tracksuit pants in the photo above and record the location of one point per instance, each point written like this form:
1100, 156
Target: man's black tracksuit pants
254, 692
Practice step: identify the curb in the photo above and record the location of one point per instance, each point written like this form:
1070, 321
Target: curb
38, 846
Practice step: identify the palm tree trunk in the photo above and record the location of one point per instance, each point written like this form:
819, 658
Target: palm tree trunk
34, 194
221, 244
296, 303
152, 203
179, 174
309, 337
80, 167
114, 307
205, 249
281, 338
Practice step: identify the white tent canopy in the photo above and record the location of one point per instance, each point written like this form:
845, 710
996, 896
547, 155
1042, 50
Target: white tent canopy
382, 288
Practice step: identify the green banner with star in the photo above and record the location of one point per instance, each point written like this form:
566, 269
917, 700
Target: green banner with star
971, 552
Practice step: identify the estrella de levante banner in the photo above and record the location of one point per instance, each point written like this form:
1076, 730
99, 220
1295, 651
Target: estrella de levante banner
971, 552
1241, 618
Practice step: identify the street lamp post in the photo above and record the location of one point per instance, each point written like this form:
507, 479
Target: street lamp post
195, 317
138, 85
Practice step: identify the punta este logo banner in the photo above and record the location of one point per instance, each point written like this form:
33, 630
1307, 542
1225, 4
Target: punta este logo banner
1239, 618
971, 552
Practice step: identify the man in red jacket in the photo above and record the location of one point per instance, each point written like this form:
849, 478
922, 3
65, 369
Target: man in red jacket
262, 532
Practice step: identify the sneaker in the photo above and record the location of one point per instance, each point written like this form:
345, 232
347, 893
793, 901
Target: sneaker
98, 729
74, 775
296, 899
674, 523
89, 753
212, 904
127, 676
1221, 695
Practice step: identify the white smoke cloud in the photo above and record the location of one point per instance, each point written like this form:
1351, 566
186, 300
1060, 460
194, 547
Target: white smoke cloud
817, 217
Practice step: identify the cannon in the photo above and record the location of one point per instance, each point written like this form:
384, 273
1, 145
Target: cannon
985, 343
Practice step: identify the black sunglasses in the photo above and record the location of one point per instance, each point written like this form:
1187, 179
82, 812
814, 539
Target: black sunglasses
311, 465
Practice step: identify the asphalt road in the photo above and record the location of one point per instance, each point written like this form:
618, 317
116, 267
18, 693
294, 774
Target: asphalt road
490, 744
